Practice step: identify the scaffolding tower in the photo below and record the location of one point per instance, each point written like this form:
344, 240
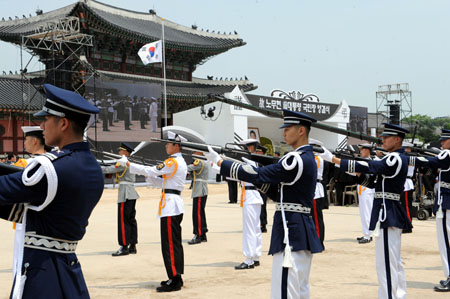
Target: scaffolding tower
394, 101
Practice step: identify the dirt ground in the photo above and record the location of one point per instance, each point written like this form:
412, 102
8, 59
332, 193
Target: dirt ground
345, 270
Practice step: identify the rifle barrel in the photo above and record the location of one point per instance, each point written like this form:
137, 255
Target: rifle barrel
318, 125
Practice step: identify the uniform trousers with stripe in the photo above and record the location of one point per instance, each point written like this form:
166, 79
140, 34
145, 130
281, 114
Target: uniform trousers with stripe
443, 229
406, 199
199, 216
391, 275
171, 247
127, 225
317, 214
291, 283
251, 233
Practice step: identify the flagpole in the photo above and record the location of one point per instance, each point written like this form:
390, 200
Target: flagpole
164, 70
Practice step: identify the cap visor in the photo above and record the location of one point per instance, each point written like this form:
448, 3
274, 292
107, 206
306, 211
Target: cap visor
41, 113
285, 126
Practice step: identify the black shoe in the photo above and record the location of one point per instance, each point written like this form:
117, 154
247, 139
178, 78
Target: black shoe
170, 285
359, 238
256, 263
203, 238
365, 240
132, 249
232, 202
123, 250
165, 282
441, 288
264, 229
195, 240
244, 266
444, 282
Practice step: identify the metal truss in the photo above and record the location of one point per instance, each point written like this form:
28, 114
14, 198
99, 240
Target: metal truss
392, 95
56, 36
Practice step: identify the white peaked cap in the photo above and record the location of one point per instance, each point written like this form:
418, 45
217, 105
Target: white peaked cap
28, 129
172, 136
315, 142
248, 141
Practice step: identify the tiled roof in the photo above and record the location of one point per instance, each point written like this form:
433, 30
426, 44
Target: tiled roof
142, 26
11, 95
198, 89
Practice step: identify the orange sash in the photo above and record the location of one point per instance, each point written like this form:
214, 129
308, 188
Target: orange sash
169, 163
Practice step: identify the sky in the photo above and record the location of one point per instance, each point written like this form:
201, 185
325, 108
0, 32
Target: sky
338, 50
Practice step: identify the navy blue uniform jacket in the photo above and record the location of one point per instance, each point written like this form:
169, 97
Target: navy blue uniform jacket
80, 186
302, 233
442, 162
396, 214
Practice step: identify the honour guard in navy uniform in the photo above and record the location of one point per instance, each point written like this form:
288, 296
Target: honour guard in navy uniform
388, 217
57, 207
366, 192
261, 150
250, 203
127, 196
319, 195
200, 173
171, 177
291, 183
407, 196
442, 204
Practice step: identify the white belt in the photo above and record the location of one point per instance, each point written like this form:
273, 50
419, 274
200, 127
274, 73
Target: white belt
49, 243
126, 183
387, 195
445, 185
293, 207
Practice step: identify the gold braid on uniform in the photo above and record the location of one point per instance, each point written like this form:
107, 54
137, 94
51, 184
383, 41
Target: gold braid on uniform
197, 173
119, 176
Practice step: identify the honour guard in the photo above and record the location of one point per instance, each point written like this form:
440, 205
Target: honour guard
171, 177
407, 196
261, 150
366, 192
126, 216
442, 204
200, 172
250, 203
291, 182
319, 195
388, 217
33, 144
57, 208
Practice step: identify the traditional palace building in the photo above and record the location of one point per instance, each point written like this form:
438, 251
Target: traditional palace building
88, 37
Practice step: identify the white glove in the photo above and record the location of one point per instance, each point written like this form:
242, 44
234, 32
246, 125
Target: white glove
212, 155
122, 161
326, 155
248, 161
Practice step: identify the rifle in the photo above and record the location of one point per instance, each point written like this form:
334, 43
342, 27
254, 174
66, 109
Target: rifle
8, 169
133, 159
231, 151
273, 113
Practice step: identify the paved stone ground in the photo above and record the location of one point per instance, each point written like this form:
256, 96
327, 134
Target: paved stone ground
345, 270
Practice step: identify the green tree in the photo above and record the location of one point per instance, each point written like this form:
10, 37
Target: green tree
427, 127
